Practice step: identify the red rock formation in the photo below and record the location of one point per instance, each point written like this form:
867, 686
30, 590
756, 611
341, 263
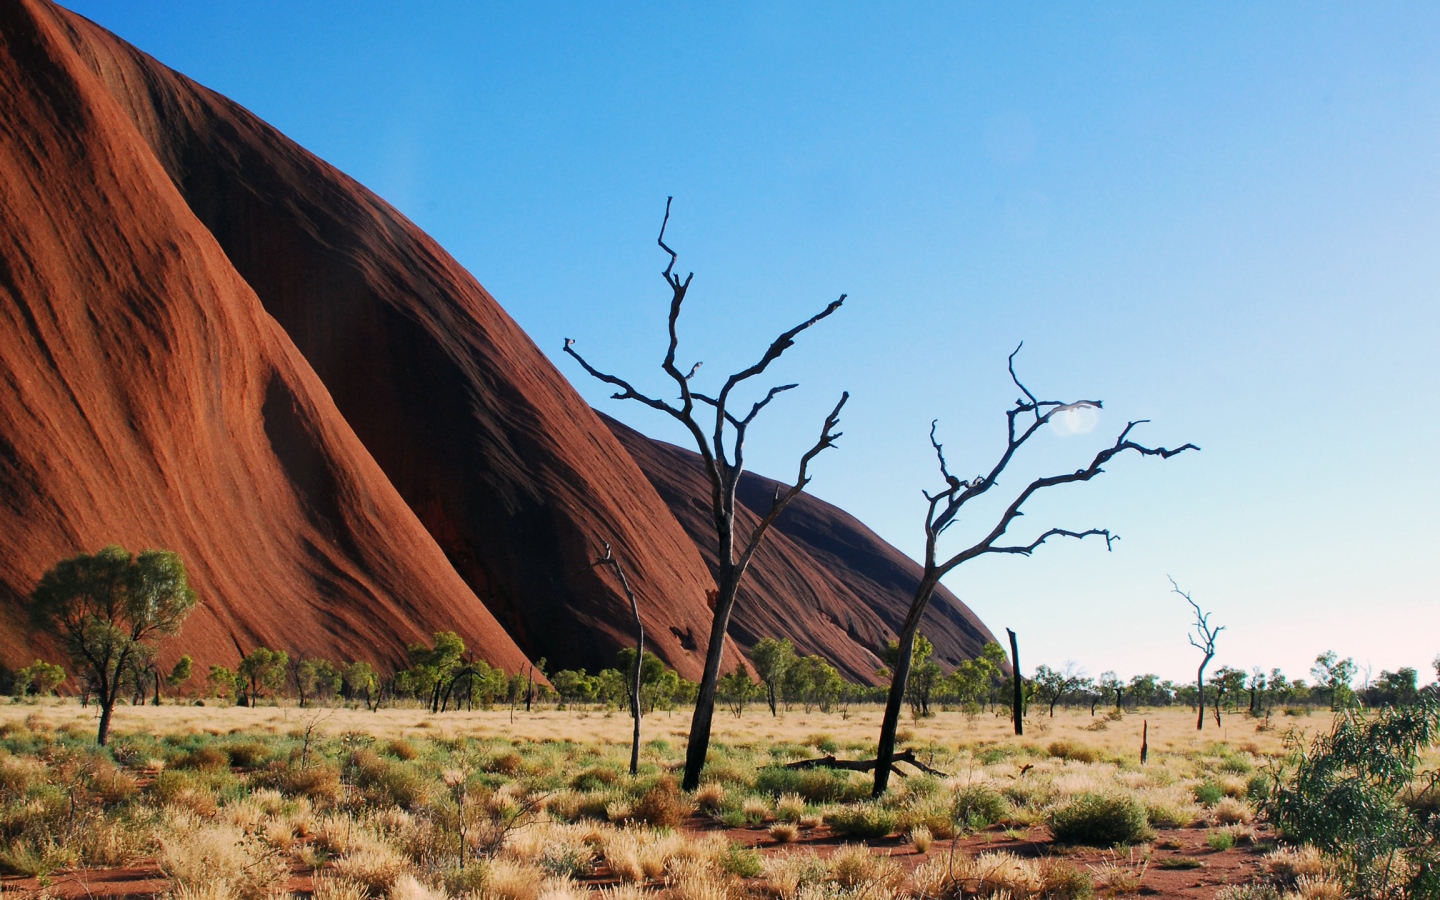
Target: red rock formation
217, 343
821, 578
170, 249
146, 398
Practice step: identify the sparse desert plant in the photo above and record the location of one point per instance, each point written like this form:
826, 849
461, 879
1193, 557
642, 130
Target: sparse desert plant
789, 807
1100, 819
921, 839
1288, 864
1233, 812
1220, 839
663, 805
219, 860
1248, 892
784, 832
864, 873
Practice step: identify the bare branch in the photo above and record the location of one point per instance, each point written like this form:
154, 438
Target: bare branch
1010, 362
1029, 548
828, 436
779, 346
987, 545
627, 391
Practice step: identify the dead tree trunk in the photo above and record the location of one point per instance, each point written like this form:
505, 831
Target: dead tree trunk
1017, 699
1203, 640
723, 454
1024, 419
609, 560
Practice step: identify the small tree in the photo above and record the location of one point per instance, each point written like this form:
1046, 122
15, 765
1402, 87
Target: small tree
1024, 420
736, 689
106, 607
222, 682
263, 670
925, 673
1333, 675
608, 560
722, 452
360, 682
1051, 684
772, 658
40, 678
316, 679
1203, 640
180, 673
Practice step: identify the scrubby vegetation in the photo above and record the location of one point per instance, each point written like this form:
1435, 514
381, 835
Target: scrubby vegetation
406, 809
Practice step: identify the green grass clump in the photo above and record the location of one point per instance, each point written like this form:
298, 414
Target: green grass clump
977, 805
1100, 820
741, 862
866, 822
1072, 751
1208, 793
814, 785
1220, 840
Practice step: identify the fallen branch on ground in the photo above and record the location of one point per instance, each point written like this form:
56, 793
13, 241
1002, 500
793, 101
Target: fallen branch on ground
865, 765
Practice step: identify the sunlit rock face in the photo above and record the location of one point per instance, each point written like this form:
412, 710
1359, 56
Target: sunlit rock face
217, 343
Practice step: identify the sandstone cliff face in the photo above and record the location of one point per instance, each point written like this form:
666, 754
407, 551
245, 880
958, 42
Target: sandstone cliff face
217, 343
821, 578
147, 398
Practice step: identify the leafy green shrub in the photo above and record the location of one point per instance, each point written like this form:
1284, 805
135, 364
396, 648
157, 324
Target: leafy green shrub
1220, 840
865, 821
1100, 820
1345, 795
977, 805
815, 785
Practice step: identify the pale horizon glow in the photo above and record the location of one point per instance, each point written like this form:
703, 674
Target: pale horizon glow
1222, 219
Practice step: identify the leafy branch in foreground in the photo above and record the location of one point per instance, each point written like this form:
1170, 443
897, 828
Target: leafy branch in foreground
1358, 794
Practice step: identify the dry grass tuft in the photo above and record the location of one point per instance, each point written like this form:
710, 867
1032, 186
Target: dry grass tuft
218, 861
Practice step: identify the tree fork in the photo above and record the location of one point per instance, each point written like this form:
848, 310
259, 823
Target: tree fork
724, 463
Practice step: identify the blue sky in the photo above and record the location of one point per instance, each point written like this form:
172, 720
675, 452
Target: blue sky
1224, 219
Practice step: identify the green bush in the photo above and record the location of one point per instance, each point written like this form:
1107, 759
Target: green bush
815, 785
865, 821
1070, 751
1100, 820
977, 805
741, 861
1208, 793
596, 778
1346, 795
1220, 840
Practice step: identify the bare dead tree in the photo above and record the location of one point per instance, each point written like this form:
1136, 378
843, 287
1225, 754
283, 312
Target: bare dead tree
1203, 640
722, 450
1024, 419
609, 560
1017, 700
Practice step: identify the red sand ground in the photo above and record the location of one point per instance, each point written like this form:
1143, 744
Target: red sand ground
1240, 865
